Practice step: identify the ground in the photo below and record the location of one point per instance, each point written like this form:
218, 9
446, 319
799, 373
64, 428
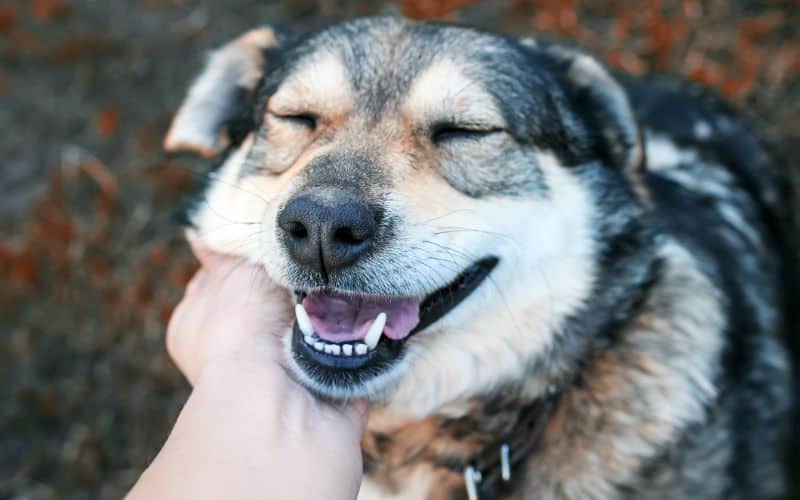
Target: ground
91, 260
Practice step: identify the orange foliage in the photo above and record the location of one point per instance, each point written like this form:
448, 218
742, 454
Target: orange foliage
7, 18
46, 10
431, 9
106, 120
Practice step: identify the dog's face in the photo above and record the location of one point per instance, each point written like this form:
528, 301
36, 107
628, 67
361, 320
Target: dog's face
422, 190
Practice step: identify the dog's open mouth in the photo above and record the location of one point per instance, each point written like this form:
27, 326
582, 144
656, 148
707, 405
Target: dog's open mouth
339, 334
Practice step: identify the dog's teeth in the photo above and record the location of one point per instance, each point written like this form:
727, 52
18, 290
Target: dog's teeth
303, 321
375, 331
309, 339
333, 349
361, 349
347, 350
319, 346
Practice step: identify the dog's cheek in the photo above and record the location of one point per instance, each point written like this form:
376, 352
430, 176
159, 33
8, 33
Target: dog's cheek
221, 215
234, 213
546, 251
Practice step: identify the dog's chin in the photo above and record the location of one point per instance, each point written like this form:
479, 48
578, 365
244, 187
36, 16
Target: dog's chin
341, 347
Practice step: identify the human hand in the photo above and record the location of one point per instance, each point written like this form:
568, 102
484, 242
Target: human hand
230, 312
248, 430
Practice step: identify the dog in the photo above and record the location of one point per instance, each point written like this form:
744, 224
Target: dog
550, 281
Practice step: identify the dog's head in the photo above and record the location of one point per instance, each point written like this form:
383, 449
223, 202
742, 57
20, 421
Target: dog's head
428, 193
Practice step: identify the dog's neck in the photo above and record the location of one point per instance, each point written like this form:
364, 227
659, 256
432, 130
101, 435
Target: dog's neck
487, 439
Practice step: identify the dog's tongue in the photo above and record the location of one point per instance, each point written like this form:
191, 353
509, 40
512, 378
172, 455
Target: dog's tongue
340, 318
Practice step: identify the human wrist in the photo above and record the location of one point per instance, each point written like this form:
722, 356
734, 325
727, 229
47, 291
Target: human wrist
245, 380
237, 369
298, 427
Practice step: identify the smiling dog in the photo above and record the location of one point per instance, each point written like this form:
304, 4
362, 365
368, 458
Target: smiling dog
551, 283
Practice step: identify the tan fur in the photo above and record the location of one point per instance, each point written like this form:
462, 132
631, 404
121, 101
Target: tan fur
444, 92
320, 87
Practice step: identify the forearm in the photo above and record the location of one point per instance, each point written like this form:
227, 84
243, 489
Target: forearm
232, 440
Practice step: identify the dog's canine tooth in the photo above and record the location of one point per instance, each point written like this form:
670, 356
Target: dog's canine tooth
347, 350
309, 339
375, 331
319, 346
361, 349
303, 321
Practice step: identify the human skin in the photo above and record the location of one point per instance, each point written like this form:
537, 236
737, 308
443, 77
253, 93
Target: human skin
248, 430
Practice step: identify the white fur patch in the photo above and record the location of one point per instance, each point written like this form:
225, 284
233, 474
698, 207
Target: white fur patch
229, 216
663, 153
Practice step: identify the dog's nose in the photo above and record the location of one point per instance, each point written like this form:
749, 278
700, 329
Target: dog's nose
327, 228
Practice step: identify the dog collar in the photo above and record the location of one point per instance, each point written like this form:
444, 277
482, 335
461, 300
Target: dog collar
488, 474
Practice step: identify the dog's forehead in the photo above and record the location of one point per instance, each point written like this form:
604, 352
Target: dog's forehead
445, 91
425, 71
320, 83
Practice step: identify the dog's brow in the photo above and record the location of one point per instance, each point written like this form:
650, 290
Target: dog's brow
444, 92
320, 85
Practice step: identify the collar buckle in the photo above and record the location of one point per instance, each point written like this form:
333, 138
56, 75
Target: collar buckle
472, 477
505, 462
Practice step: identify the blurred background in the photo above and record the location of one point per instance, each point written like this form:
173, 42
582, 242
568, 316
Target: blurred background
91, 261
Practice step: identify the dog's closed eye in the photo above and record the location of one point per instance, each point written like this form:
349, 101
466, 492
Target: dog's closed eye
305, 120
446, 132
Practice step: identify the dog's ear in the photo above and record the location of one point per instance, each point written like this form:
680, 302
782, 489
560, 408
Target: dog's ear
206, 120
602, 101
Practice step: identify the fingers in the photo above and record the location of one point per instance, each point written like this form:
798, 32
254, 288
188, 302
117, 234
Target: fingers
230, 309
